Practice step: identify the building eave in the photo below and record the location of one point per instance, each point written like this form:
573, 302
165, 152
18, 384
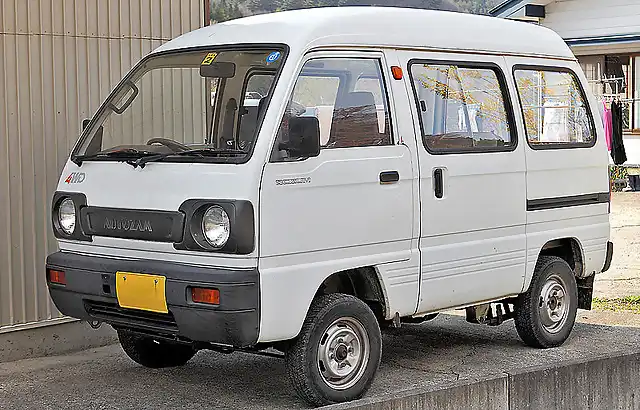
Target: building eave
603, 40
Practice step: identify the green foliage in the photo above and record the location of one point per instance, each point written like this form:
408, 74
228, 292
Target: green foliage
222, 10
476, 6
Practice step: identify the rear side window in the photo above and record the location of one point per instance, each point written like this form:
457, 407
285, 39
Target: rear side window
462, 108
555, 110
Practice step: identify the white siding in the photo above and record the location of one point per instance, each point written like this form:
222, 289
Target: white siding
58, 59
588, 18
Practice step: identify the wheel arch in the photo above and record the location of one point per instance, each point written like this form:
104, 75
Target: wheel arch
567, 248
364, 283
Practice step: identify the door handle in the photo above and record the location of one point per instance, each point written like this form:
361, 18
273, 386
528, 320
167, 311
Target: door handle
389, 177
438, 183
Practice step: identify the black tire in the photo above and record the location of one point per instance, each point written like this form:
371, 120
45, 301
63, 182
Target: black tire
154, 353
530, 318
304, 358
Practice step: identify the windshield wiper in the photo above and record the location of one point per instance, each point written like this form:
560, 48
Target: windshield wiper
125, 154
203, 152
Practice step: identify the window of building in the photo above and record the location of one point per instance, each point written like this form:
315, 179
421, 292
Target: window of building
616, 77
462, 108
555, 109
349, 98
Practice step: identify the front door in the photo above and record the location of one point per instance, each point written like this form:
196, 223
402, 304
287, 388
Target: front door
352, 206
472, 179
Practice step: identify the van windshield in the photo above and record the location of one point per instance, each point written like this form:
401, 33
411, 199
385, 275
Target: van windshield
204, 106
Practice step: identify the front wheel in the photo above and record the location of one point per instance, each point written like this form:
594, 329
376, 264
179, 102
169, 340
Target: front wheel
337, 354
546, 313
154, 353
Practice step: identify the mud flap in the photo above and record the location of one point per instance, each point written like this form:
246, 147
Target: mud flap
585, 292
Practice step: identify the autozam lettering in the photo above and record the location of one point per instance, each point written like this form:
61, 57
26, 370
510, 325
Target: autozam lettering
293, 181
127, 225
75, 178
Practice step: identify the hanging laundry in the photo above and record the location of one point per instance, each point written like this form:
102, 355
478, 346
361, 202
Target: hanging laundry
606, 119
618, 153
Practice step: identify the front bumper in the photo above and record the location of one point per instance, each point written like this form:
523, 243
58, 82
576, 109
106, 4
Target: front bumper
90, 294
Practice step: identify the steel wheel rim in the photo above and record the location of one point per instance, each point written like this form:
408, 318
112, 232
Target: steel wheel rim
553, 304
343, 353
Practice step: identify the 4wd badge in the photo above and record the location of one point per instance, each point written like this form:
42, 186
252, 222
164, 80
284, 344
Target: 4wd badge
75, 178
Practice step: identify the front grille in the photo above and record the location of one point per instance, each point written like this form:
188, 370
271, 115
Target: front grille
113, 314
142, 224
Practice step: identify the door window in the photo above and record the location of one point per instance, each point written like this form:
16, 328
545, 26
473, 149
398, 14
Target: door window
462, 108
349, 99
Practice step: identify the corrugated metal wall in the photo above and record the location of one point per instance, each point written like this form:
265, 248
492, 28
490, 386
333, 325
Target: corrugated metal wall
58, 59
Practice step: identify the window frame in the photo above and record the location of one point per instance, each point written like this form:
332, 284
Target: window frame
251, 73
556, 69
506, 98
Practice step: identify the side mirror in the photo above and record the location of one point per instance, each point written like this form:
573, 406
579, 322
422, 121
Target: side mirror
85, 123
304, 137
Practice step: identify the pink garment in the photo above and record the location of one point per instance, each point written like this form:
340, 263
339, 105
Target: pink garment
608, 125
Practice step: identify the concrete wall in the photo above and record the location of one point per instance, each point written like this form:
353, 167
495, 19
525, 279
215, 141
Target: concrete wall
58, 60
602, 383
53, 340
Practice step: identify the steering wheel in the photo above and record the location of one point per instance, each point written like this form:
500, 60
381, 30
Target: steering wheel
174, 145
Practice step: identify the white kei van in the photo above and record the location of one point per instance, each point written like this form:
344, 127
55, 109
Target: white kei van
297, 181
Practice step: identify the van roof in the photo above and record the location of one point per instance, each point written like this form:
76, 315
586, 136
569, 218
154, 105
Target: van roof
306, 29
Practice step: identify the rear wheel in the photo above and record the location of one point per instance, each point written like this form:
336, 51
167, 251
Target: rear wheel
154, 353
337, 354
546, 313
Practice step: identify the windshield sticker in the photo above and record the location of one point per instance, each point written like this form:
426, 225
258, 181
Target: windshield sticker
273, 57
209, 59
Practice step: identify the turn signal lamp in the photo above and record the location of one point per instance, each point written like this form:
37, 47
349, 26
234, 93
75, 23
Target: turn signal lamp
57, 276
397, 72
208, 296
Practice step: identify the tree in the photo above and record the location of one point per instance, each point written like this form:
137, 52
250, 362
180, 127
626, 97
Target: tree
223, 10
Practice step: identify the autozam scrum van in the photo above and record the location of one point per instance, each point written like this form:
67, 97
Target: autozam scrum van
299, 181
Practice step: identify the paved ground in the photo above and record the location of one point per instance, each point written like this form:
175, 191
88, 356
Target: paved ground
435, 353
623, 279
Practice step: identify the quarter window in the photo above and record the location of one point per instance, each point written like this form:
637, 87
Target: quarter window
348, 97
462, 108
554, 108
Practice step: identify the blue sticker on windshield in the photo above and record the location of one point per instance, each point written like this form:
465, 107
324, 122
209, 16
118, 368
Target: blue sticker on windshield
273, 57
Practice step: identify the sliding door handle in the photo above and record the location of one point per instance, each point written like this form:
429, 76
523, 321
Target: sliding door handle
438, 183
389, 177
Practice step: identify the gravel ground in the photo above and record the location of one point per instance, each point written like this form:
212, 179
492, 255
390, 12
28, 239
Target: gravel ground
623, 278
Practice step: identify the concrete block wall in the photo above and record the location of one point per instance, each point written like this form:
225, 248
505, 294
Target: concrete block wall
604, 383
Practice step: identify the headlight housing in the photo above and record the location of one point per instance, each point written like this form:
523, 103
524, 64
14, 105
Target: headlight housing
223, 226
216, 226
67, 216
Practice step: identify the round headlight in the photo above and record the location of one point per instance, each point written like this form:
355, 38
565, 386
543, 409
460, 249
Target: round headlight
67, 216
216, 226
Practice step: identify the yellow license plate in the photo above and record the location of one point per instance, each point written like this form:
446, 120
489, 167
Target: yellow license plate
142, 292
